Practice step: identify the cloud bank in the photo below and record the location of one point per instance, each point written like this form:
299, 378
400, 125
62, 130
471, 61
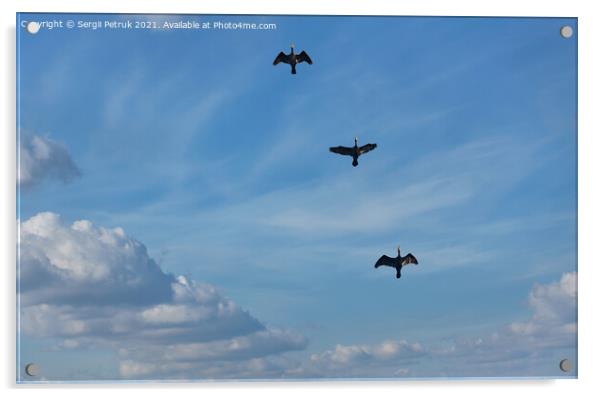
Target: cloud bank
44, 159
88, 286
91, 286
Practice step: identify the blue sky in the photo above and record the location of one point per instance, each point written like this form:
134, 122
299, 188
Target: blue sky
194, 145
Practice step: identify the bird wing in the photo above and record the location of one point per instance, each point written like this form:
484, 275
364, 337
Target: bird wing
385, 261
409, 258
367, 147
346, 151
303, 57
280, 58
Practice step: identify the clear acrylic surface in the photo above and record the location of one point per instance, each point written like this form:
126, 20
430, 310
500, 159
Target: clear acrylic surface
211, 197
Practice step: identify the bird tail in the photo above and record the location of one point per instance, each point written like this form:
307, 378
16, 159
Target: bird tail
398, 275
293, 69
354, 162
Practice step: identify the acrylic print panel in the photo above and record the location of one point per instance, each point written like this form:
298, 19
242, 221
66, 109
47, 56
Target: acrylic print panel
206, 197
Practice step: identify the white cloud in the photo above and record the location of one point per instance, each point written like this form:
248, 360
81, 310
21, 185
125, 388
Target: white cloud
172, 314
42, 158
555, 303
349, 355
86, 264
386, 351
554, 320
91, 285
386, 359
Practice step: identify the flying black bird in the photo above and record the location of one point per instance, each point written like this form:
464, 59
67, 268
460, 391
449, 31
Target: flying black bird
397, 263
354, 151
293, 59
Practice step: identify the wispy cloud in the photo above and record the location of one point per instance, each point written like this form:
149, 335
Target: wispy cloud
344, 203
327, 215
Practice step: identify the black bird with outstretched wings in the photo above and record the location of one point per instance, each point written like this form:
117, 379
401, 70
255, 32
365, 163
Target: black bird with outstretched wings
396, 263
292, 59
354, 151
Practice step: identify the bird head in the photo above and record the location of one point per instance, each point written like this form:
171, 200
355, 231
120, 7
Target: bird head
355, 139
398, 250
292, 46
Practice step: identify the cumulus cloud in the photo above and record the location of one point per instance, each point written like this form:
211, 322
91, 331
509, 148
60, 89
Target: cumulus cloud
343, 356
554, 308
384, 359
554, 318
90, 285
41, 159
86, 264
